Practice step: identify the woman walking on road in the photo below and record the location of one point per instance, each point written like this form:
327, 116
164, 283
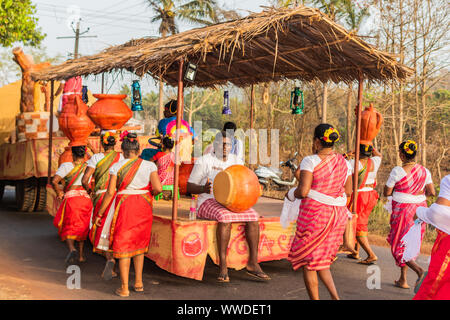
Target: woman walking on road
323, 187
98, 168
74, 213
127, 228
409, 185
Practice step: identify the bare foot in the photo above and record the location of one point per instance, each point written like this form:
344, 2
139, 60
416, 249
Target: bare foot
82, 259
122, 292
401, 284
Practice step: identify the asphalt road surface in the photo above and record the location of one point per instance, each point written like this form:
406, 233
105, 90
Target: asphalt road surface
32, 267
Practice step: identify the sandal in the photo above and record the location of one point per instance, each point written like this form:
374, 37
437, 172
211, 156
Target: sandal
223, 278
122, 293
259, 275
138, 289
72, 257
367, 262
108, 271
352, 256
396, 284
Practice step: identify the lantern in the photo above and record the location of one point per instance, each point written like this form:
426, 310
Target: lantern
226, 103
136, 96
296, 101
191, 72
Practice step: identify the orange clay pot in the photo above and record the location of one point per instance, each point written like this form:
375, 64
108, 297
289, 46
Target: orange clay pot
237, 188
109, 112
371, 121
66, 156
185, 172
74, 122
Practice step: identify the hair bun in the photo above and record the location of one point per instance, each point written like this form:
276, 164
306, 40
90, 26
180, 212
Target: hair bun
334, 136
111, 140
132, 135
412, 147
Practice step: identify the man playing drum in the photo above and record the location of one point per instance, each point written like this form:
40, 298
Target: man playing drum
204, 172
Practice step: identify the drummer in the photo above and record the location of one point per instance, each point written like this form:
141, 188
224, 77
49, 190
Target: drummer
200, 182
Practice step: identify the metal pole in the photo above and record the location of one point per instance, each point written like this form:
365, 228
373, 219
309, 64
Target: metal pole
180, 109
77, 39
103, 82
50, 133
357, 142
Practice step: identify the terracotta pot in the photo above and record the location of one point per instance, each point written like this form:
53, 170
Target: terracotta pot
185, 172
237, 188
371, 121
74, 122
66, 156
109, 112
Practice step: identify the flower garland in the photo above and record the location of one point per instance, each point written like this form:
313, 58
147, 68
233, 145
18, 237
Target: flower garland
407, 146
328, 132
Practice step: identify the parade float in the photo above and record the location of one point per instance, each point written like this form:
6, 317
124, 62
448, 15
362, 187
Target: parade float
276, 44
26, 161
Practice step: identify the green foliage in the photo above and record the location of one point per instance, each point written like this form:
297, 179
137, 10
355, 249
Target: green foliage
17, 23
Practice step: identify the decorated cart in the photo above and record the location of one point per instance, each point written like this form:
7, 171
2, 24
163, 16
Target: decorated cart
274, 45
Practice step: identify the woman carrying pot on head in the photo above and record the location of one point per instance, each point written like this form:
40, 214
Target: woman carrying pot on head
98, 167
74, 213
409, 185
127, 227
324, 184
369, 163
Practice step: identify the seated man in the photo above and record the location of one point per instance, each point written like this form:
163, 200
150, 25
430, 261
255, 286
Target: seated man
205, 170
237, 146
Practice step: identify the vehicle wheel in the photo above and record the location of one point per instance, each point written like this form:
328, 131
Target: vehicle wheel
2, 190
41, 197
26, 192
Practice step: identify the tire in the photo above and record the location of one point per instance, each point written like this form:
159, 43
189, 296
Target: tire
41, 197
26, 193
2, 190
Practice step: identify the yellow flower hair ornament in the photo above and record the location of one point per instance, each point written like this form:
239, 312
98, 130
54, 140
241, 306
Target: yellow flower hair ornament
106, 136
407, 146
328, 132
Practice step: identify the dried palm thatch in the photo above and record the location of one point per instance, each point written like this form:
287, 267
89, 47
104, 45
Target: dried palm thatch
276, 44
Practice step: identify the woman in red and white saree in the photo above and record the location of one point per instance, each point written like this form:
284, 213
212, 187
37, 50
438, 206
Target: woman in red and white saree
409, 185
73, 216
369, 164
127, 228
436, 285
323, 188
98, 167
165, 161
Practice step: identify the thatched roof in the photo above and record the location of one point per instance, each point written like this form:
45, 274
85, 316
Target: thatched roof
276, 44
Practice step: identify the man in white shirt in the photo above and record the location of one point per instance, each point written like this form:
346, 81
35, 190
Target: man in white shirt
203, 174
237, 146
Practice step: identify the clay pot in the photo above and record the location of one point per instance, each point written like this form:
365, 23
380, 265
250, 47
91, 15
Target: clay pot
74, 122
371, 121
109, 112
66, 156
237, 188
185, 172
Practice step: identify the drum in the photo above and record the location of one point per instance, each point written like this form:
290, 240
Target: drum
237, 188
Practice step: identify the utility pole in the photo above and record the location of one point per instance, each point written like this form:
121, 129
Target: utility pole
77, 37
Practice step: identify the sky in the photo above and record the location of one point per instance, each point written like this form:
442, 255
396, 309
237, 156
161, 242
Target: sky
113, 22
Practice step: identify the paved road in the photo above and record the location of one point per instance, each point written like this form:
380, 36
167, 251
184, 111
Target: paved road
32, 267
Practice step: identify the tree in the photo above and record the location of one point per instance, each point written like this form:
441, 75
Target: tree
167, 12
17, 23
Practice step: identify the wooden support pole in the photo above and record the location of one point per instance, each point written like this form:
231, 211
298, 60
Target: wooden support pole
252, 105
180, 109
50, 132
357, 142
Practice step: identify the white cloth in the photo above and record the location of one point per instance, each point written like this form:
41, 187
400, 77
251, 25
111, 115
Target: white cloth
408, 198
399, 173
437, 215
310, 162
92, 162
388, 205
142, 177
412, 241
444, 191
372, 175
290, 209
64, 170
207, 167
325, 199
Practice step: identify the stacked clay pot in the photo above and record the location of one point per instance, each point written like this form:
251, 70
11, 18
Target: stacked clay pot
74, 122
109, 112
237, 188
371, 121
